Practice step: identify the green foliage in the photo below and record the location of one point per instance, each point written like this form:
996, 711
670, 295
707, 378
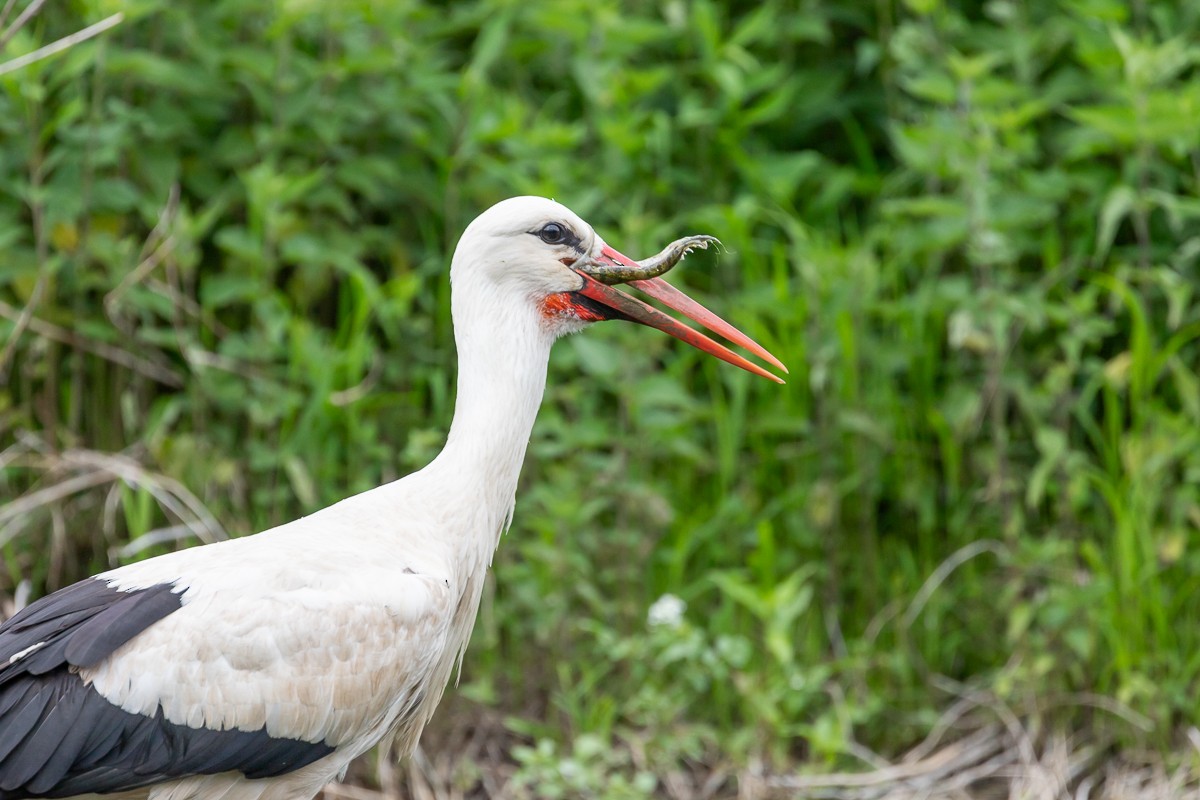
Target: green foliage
972, 234
592, 769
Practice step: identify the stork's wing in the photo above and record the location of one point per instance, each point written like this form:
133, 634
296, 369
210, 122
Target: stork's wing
107, 686
59, 737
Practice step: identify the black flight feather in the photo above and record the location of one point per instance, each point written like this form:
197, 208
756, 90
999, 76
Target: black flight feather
60, 737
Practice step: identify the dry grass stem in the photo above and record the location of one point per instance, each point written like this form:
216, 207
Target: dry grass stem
8, 7
138, 364
946, 568
989, 760
159, 244
88, 469
57, 46
29, 13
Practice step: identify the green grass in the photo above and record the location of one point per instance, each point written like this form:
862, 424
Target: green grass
971, 235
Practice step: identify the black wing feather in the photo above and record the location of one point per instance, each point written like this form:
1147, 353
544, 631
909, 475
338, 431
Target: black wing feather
97, 638
20, 721
60, 737
65, 753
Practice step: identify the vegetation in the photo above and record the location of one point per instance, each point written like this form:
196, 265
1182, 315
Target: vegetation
971, 231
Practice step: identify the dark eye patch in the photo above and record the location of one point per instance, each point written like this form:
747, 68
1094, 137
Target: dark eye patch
558, 233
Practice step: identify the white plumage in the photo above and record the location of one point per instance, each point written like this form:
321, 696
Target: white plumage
316, 639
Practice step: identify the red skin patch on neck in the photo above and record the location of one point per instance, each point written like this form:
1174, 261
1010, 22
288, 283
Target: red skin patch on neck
563, 304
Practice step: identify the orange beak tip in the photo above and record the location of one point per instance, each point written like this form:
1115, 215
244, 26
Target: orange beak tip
637, 311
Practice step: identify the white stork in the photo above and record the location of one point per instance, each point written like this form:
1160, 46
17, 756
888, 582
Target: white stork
258, 668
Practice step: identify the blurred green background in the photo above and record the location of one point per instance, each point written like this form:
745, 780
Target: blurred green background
969, 229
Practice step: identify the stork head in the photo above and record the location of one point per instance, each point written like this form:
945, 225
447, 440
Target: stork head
536, 254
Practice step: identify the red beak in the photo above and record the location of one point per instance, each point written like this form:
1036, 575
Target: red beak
636, 311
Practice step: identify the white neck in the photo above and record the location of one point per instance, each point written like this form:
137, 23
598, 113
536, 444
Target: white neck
501, 377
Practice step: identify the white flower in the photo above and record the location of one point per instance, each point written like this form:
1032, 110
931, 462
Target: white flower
960, 328
666, 611
964, 334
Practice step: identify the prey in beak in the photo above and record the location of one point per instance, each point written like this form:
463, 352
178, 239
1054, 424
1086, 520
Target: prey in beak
602, 273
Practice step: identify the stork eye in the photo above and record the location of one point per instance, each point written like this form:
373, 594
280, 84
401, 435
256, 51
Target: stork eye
553, 233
